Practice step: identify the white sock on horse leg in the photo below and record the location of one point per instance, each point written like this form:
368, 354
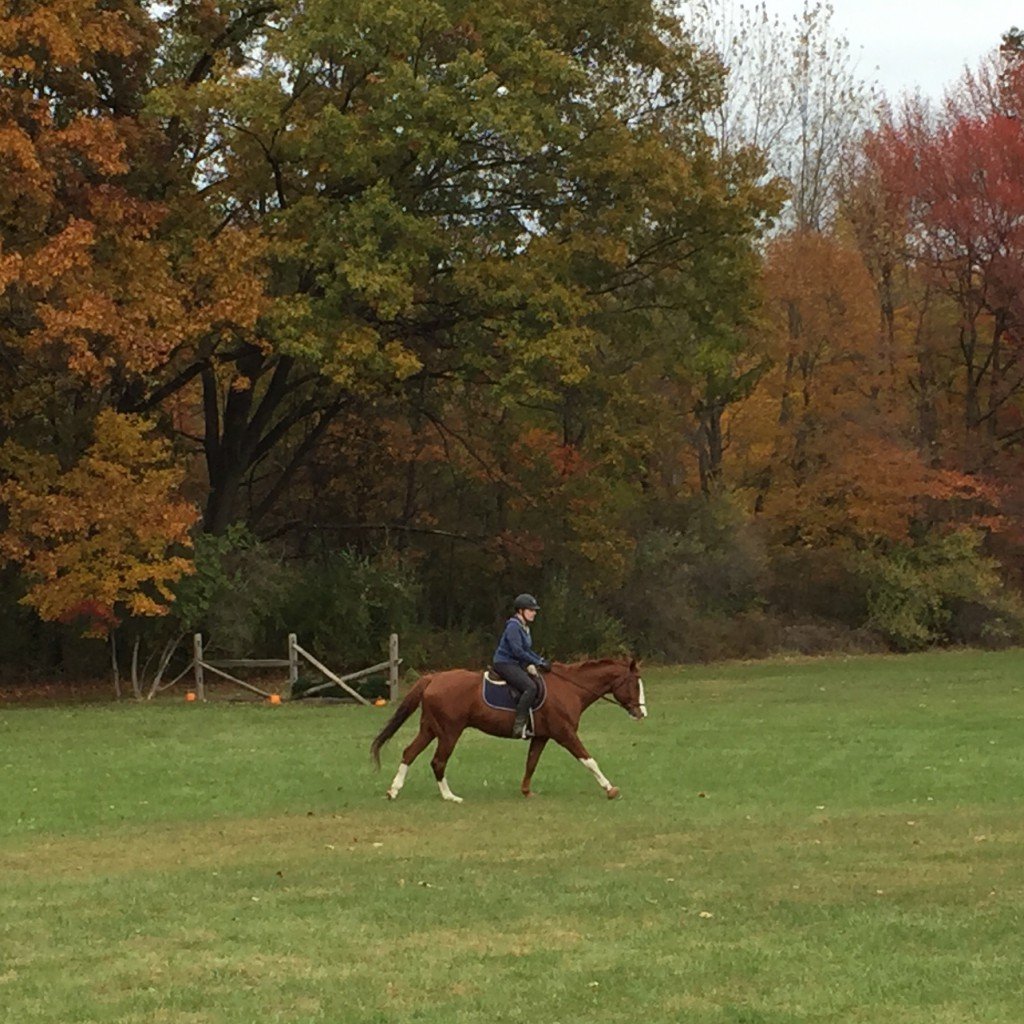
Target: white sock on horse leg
442, 784
591, 765
398, 782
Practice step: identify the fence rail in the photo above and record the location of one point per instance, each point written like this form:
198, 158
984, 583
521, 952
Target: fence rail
201, 665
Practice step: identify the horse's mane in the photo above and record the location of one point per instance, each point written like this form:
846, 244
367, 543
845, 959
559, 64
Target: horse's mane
593, 662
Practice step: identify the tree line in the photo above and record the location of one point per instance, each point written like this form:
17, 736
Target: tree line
344, 317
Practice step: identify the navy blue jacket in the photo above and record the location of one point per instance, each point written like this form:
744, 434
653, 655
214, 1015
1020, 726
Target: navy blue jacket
515, 645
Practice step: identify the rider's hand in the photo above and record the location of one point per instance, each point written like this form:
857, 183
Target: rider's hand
545, 666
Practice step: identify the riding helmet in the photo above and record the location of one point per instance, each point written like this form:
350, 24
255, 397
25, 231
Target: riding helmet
525, 601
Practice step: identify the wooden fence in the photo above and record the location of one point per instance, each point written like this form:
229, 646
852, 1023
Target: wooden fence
201, 665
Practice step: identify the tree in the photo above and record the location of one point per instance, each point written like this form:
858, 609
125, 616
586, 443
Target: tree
827, 456
456, 194
106, 538
958, 181
792, 92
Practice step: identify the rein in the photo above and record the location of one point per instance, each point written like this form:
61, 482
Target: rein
585, 689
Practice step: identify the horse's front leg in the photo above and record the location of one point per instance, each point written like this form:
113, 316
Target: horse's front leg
575, 747
537, 745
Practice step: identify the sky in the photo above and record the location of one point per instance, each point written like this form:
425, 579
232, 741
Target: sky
916, 44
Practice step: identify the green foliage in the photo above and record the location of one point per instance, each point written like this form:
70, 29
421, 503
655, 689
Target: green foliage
476, 276
709, 568
914, 590
245, 597
344, 606
808, 583
237, 585
424, 648
574, 625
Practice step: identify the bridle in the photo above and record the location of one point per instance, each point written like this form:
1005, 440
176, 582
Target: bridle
641, 704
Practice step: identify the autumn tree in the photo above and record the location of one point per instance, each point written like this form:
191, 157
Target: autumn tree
958, 181
101, 288
103, 539
793, 92
456, 198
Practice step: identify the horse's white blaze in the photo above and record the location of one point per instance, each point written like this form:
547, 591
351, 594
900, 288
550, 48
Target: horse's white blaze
447, 793
591, 765
643, 702
398, 781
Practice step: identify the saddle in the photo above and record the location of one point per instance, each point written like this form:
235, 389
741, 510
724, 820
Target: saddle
498, 694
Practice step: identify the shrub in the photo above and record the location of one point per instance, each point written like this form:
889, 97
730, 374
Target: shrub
238, 583
703, 578
344, 606
817, 585
574, 625
819, 637
942, 589
426, 649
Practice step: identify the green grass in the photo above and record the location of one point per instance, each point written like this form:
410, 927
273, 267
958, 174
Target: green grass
810, 841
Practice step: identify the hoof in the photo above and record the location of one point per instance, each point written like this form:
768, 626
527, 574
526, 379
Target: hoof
613, 792
529, 794
391, 794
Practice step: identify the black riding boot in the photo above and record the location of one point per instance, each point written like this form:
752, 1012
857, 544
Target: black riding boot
522, 715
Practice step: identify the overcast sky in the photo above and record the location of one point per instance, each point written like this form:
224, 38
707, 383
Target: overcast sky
908, 44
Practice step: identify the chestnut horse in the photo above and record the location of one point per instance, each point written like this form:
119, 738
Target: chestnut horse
453, 701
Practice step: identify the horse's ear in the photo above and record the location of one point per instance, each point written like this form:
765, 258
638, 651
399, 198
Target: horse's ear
633, 666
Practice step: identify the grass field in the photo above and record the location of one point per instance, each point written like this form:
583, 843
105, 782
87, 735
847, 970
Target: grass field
835, 840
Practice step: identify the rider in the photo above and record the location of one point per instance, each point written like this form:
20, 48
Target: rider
517, 662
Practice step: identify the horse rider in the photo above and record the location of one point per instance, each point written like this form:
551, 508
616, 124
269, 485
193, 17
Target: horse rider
517, 662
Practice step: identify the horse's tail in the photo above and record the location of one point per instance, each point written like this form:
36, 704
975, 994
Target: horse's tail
412, 701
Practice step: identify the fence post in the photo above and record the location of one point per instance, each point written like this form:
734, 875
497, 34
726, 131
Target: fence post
393, 666
293, 664
197, 656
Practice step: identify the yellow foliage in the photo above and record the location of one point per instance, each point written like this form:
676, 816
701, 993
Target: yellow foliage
108, 532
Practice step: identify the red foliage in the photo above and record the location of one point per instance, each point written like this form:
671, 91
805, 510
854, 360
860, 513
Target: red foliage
95, 617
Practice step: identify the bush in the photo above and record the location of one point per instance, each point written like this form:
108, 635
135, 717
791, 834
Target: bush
344, 607
424, 649
942, 589
818, 637
573, 625
817, 585
693, 586
238, 584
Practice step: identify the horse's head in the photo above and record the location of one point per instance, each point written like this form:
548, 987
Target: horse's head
628, 690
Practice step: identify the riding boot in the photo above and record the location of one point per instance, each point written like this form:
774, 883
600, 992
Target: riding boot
522, 716
519, 725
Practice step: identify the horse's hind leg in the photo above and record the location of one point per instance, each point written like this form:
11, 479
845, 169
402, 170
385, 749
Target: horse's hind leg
420, 742
445, 745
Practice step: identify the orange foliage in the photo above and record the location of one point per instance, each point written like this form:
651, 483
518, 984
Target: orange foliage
108, 533
822, 447
90, 266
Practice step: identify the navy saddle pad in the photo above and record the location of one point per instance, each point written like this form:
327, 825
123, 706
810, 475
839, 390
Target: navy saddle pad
498, 694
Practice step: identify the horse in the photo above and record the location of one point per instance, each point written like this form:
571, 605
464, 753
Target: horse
452, 701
